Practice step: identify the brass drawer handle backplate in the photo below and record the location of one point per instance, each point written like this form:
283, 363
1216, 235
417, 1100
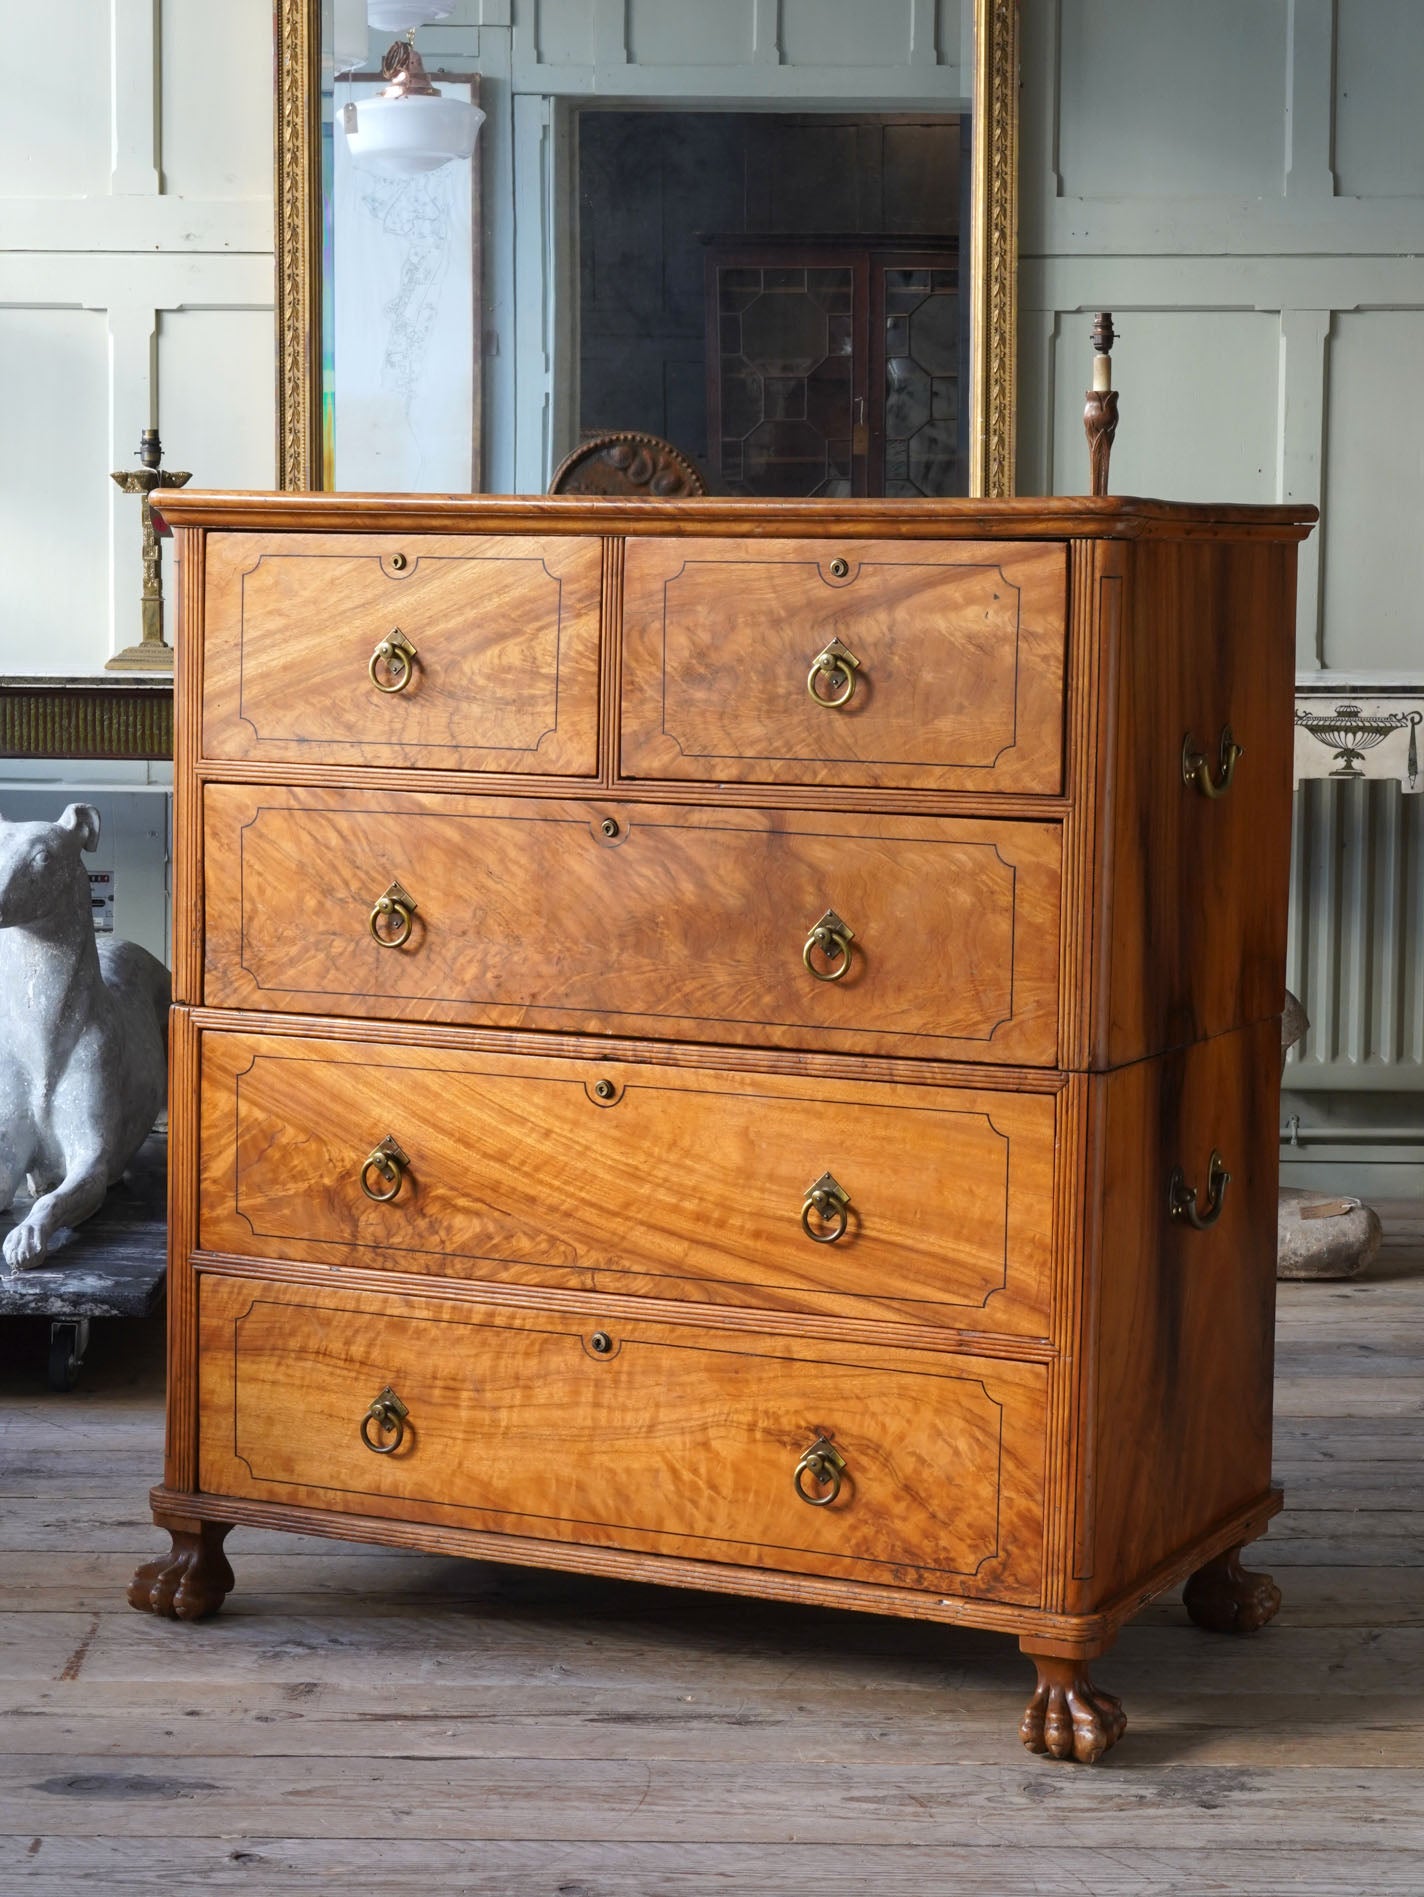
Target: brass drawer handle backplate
1196, 770
390, 664
824, 1465
1182, 1198
388, 1414
832, 938
829, 1202
837, 665
390, 1163
396, 903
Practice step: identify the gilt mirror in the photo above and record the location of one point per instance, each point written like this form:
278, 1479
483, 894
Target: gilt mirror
779, 233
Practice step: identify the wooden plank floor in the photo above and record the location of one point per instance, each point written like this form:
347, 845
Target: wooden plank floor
363, 1721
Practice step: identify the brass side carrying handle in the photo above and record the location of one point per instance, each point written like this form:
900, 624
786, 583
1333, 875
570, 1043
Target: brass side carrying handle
388, 1413
389, 1162
830, 1202
1196, 770
392, 656
824, 1464
837, 665
397, 903
833, 938
1182, 1198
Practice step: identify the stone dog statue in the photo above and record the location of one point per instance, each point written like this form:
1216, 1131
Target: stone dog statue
82, 1035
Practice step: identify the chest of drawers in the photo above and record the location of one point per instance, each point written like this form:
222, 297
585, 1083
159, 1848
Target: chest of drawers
735, 1044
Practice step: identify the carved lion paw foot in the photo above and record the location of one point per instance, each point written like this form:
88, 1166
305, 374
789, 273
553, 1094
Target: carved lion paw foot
192, 1580
1068, 1717
1226, 1598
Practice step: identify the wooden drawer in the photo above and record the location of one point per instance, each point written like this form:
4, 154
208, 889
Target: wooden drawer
686, 923
505, 630
656, 1437
673, 1183
959, 650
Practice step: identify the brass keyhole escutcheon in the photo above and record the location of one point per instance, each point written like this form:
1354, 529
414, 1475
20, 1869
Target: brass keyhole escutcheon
609, 826
839, 568
392, 916
399, 562
389, 1164
391, 665
1182, 1204
824, 1466
830, 939
828, 1203
1196, 770
605, 1089
388, 1414
601, 1343
835, 665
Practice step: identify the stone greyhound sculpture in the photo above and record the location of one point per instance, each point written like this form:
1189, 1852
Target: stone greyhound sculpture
83, 1029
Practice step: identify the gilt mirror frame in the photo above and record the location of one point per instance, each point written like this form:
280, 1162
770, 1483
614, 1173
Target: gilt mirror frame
993, 269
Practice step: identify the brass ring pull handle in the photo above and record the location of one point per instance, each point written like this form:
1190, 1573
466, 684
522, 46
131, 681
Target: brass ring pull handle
824, 1465
397, 903
1182, 1198
392, 656
388, 1413
833, 938
830, 1202
838, 665
1196, 770
389, 1163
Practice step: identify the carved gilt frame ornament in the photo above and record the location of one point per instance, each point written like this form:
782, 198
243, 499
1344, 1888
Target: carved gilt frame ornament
993, 268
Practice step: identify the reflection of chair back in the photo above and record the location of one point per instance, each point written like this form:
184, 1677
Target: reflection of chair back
630, 465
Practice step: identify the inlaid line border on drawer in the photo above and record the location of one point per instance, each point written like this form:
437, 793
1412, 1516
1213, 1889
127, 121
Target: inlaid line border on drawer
424, 744
523, 1008
860, 759
938, 1102
446, 1322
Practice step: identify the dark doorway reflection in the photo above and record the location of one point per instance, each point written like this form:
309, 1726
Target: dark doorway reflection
778, 295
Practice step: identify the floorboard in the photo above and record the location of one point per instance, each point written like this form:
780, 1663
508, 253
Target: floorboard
358, 1718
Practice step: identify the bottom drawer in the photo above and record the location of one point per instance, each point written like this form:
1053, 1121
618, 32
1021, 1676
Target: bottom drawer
661, 1438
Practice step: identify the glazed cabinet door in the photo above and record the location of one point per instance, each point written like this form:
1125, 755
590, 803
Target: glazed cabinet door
911, 664
439, 652
915, 1467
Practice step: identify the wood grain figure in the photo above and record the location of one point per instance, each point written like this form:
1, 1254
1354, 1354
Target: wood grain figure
735, 1043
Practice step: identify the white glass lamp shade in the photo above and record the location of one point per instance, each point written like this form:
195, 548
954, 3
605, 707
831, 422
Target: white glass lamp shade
402, 136
399, 16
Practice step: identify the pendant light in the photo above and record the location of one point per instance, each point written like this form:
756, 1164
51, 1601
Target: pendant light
403, 16
409, 126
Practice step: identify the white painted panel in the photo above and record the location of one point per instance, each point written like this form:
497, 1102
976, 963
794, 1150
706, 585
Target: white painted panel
565, 31
690, 33
1374, 493
54, 491
217, 98
55, 147
216, 371
1157, 99
1198, 404
845, 32
1379, 98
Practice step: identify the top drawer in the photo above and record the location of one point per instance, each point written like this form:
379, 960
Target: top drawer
503, 677
947, 658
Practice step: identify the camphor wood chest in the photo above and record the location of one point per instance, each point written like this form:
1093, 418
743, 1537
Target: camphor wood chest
735, 1044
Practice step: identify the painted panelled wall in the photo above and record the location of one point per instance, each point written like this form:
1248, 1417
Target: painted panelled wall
1243, 186
1241, 181
135, 288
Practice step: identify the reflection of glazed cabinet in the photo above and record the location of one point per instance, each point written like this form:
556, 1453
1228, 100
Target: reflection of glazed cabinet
736, 1046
